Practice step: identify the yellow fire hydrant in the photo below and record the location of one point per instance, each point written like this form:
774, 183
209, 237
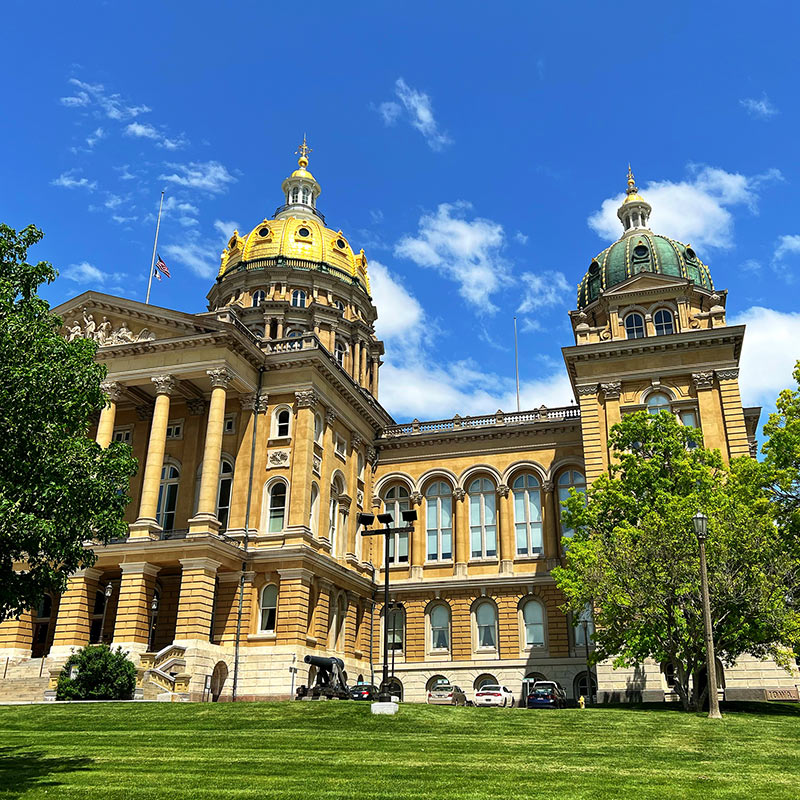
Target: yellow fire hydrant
582, 702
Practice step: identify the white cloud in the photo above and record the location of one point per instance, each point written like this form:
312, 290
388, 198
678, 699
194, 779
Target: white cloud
466, 251
201, 257
542, 289
227, 228
208, 176
696, 210
78, 100
112, 105
418, 112
400, 316
86, 273
761, 109
67, 180
124, 173
787, 245
95, 137
771, 349
123, 220
520, 237
142, 130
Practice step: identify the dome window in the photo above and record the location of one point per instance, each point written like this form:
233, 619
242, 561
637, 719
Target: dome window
339, 351
258, 298
690, 254
634, 326
339, 304
299, 298
640, 251
664, 322
306, 196
295, 194
264, 232
594, 268
304, 232
341, 243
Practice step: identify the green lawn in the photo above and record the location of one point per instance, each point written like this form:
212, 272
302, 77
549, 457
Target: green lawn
339, 750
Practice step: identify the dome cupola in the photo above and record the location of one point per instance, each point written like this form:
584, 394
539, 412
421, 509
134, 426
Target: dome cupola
635, 210
300, 190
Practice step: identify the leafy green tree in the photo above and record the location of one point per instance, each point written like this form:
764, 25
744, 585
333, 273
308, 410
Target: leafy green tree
634, 556
99, 673
58, 488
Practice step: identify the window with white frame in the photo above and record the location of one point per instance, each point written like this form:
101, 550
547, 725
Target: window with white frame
584, 631
295, 194
269, 608
657, 402
175, 429
569, 479
122, 435
313, 517
533, 623
258, 298
224, 492
229, 425
486, 625
299, 298
396, 622
319, 428
339, 621
282, 424
688, 417
664, 322
528, 515
482, 518
306, 196
396, 500
276, 510
168, 496
634, 326
340, 445
439, 521
339, 351
339, 305
337, 489
360, 464
439, 620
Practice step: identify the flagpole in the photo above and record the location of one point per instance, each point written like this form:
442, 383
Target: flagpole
155, 246
516, 360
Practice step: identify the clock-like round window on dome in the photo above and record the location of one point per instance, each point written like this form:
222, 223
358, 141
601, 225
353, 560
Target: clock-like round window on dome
690, 253
263, 232
341, 243
640, 251
303, 232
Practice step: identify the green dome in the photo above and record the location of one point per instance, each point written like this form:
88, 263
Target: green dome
638, 252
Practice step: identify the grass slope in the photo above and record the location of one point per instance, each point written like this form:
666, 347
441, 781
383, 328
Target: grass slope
339, 750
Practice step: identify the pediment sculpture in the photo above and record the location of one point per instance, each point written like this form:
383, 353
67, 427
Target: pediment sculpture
104, 333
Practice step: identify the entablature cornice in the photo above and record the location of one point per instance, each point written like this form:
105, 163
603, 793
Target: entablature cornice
473, 583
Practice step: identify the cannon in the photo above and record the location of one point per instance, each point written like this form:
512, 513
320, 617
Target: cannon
331, 681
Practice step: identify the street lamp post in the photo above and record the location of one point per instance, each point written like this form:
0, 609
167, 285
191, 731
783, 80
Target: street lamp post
107, 592
153, 615
386, 519
700, 521
589, 681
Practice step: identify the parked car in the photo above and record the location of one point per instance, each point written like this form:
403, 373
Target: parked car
547, 694
494, 695
444, 694
364, 691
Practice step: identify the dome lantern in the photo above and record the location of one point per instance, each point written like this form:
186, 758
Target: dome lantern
300, 190
634, 212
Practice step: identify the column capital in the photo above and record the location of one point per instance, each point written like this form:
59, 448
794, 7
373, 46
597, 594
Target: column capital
587, 390
502, 489
112, 389
295, 574
548, 486
306, 398
257, 403
200, 563
703, 380
90, 573
229, 577
165, 384
324, 584
611, 390
459, 494
355, 441
221, 377
727, 374
330, 416
138, 568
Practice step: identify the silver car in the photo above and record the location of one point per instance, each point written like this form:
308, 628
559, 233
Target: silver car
444, 694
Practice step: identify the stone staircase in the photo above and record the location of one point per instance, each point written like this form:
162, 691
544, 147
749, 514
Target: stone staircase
163, 672
23, 690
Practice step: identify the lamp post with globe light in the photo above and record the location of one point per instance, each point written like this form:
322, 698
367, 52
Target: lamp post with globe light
700, 521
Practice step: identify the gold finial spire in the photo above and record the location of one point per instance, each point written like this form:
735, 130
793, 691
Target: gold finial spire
631, 181
303, 152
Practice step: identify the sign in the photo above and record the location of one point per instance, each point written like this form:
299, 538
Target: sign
783, 694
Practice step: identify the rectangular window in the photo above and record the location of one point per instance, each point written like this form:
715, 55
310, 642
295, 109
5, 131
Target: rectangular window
175, 429
229, 426
340, 446
122, 435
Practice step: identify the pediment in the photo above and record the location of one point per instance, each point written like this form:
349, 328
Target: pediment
645, 281
110, 320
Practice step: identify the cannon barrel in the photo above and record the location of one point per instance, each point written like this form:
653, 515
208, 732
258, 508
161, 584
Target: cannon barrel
323, 662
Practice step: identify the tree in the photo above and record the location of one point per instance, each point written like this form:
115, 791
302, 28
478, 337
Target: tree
58, 488
634, 555
97, 673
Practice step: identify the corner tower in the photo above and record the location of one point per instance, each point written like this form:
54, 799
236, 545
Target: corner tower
651, 333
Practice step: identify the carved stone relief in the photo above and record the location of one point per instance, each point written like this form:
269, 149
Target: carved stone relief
104, 333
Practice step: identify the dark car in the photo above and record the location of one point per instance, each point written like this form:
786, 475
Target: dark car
547, 694
364, 691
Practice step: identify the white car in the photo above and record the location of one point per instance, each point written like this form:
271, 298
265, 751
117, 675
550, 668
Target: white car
494, 695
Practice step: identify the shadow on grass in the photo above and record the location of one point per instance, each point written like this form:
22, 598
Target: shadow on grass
22, 769
755, 708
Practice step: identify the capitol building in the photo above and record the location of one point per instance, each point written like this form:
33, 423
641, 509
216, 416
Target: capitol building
260, 435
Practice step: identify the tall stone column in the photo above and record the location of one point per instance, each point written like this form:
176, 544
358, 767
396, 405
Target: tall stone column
302, 461
506, 540
205, 520
551, 525
611, 395
375, 366
73, 624
461, 553
322, 617
732, 413
293, 597
419, 542
356, 348
196, 603
353, 548
231, 581
241, 476
134, 612
146, 526
105, 428
595, 451
362, 378
16, 636
711, 417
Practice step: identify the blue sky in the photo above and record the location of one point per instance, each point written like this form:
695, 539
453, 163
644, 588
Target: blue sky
476, 151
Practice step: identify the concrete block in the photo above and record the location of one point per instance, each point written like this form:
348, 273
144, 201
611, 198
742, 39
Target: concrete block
384, 708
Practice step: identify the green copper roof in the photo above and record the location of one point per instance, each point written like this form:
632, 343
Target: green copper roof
641, 252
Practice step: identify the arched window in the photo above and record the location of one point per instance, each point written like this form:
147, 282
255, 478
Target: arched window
319, 428
657, 402
258, 298
224, 492
434, 681
339, 304
338, 351
664, 322
295, 194
282, 423
440, 627
486, 625
487, 679
533, 622
396, 501
528, 515
313, 517
277, 507
439, 521
634, 326
570, 479
396, 627
168, 496
299, 298
482, 519
337, 488
306, 196
341, 616
269, 608
585, 686
584, 628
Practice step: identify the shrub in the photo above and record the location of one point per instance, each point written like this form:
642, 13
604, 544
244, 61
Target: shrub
102, 674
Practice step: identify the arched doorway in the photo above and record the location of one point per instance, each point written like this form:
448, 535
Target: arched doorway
528, 681
585, 685
42, 628
395, 688
218, 678
702, 683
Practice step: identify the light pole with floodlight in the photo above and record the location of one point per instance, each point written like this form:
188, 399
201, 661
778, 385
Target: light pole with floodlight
700, 521
107, 592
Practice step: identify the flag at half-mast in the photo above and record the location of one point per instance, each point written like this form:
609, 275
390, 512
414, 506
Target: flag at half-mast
160, 265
